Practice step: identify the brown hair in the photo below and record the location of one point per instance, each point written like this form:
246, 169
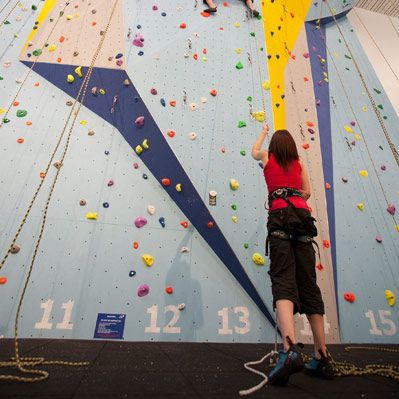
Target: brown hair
283, 147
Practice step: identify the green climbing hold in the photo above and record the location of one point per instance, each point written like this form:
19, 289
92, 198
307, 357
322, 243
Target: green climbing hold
37, 52
380, 106
241, 124
252, 34
34, 8
61, 13
380, 147
239, 65
246, 245
242, 152
377, 91
339, 41
347, 69
7, 22
1, 78
348, 57
259, 17
5, 120
261, 49
234, 207
249, 98
385, 117
21, 113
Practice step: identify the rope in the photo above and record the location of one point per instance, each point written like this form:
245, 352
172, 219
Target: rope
384, 129
10, 12
32, 66
5, 5
19, 362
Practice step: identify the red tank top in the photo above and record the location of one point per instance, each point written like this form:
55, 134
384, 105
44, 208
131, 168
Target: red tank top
276, 177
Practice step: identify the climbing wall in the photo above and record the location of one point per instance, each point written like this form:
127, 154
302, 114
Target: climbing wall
155, 229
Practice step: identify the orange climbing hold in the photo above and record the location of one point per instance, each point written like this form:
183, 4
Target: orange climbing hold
310, 124
183, 25
326, 244
205, 14
306, 79
42, 175
135, 245
172, 103
59, 59
328, 186
93, 23
61, 39
3, 280
20, 140
305, 146
171, 133
15, 103
166, 181
184, 224
214, 92
349, 296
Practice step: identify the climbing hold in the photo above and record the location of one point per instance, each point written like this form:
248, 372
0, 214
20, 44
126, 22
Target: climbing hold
145, 177
151, 209
70, 79
37, 52
192, 136
344, 179
238, 50
145, 144
135, 245
94, 91
171, 133
148, 259
163, 103
154, 91
266, 85
234, 184
165, 181
193, 107
182, 26
178, 187
3, 280
214, 92
234, 207
390, 296
378, 239
138, 40
172, 103
20, 140
91, 216
90, 132
246, 245
78, 71
126, 82
257, 258
234, 219
239, 65
140, 222
82, 202
360, 206
162, 221
319, 266
259, 116
169, 290
326, 244
242, 152
135, 165
328, 186
181, 306
21, 113
383, 167
391, 209
139, 121
241, 124
14, 249
105, 205
210, 224
110, 183
349, 296
363, 173
139, 149
203, 100
184, 224
143, 290
132, 273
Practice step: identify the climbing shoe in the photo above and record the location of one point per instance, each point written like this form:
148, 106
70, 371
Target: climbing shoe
209, 9
253, 12
321, 368
288, 363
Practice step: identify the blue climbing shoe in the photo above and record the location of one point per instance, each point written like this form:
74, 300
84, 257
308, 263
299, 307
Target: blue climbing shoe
288, 363
321, 368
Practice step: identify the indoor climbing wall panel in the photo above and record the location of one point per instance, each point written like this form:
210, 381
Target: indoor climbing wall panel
158, 208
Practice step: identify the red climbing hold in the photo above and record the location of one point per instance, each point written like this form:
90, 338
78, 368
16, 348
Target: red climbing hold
184, 224
326, 244
183, 25
166, 181
210, 224
214, 92
195, 56
328, 186
171, 133
135, 245
205, 14
305, 146
204, 51
349, 296
172, 103
319, 266
3, 280
20, 140
169, 290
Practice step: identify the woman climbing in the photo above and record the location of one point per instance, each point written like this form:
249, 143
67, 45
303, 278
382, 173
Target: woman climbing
212, 7
292, 258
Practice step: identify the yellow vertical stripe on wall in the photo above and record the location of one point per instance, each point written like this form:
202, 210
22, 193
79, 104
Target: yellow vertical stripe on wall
46, 9
282, 21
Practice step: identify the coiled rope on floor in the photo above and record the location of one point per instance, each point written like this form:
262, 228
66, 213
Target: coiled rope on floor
21, 363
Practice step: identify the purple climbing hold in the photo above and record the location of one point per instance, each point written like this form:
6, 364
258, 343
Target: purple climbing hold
139, 121
140, 222
311, 131
353, 123
143, 290
154, 8
110, 183
391, 209
318, 102
154, 91
353, 142
383, 167
119, 55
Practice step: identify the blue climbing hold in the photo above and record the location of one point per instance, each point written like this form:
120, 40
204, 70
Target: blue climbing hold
105, 204
119, 55
132, 273
138, 26
162, 221
163, 102
163, 14
106, 152
136, 99
140, 53
145, 177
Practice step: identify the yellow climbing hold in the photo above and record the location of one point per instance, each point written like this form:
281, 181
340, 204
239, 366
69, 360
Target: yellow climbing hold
178, 187
83, 122
236, 24
257, 258
145, 144
238, 50
234, 184
363, 173
78, 71
234, 219
139, 149
91, 216
364, 108
259, 116
390, 297
266, 85
69, 17
70, 79
348, 129
397, 227
2, 111
360, 206
52, 47
148, 259
358, 137
102, 91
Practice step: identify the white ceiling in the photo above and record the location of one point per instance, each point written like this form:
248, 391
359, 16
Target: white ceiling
388, 7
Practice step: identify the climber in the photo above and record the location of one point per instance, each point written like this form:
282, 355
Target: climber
212, 7
291, 230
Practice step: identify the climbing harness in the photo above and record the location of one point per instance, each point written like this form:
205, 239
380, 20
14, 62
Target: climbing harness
24, 364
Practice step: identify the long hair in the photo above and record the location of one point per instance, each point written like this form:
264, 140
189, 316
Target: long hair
283, 147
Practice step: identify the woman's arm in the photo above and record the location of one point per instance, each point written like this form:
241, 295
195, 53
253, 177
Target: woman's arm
257, 153
305, 182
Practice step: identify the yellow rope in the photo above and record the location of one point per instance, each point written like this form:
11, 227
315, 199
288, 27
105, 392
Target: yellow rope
19, 362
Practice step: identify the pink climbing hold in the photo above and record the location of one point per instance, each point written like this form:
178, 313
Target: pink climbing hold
119, 62
154, 8
154, 91
353, 123
383, 167
391, 209
110, 183
305, 55
139, 121
135, 165
138, 40
140, 222
378, 239
143, 290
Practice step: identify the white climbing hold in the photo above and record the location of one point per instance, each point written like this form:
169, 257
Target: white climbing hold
192, 136
184, 250
151, 209
193, 107
181, 306
203, 100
